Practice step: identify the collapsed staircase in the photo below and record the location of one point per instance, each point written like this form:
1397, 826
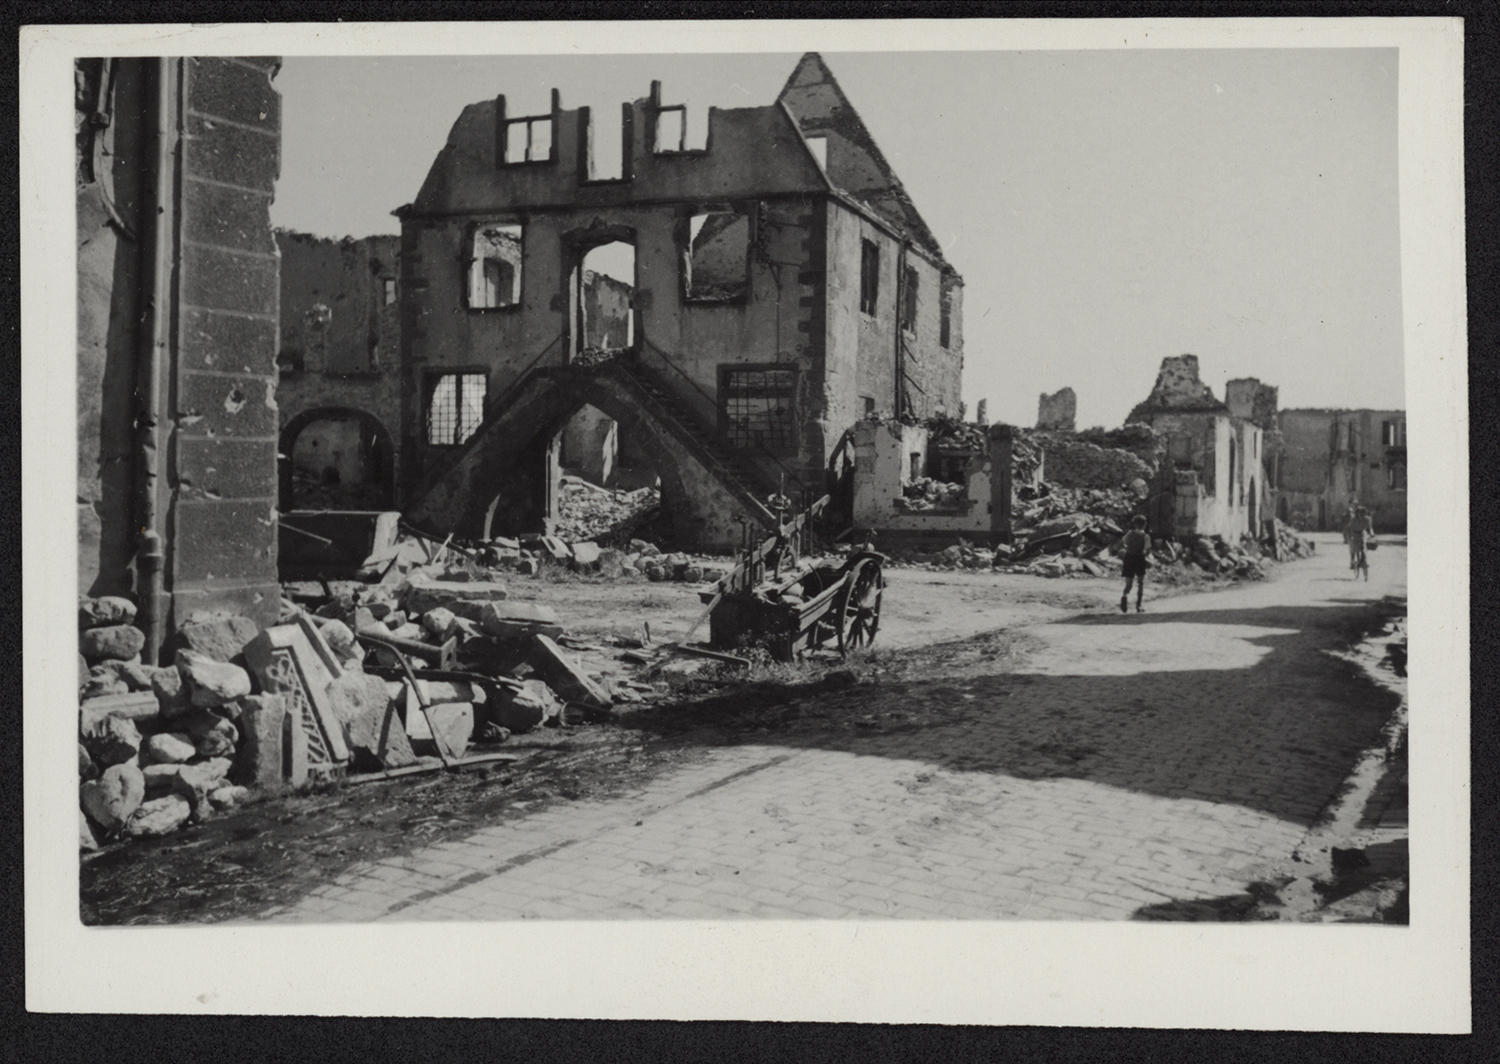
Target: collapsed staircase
545, 393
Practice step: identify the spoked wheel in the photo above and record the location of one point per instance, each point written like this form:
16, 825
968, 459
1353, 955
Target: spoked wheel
859, 608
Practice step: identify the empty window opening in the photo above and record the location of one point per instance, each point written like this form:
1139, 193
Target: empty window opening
758, 406
869, 405
528, 140
604, 147
909, 299
819, 147
456, 408
717, 260
606, 299
1393, 433
495, 267
390, 290
869, 276
945, 318
675, 133
1395, 476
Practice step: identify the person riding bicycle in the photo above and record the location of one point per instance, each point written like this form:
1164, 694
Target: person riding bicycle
1357, 533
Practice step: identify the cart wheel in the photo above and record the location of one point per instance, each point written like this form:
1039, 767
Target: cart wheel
859, 610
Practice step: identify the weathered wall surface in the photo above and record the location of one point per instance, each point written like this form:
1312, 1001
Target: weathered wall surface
224, 549
1177, 388
187, 270
884, 455
1058, 411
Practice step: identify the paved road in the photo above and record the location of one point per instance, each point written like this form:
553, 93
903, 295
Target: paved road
1131, 762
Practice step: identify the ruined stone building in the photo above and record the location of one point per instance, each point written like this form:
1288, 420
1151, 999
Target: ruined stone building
339, 359
779, 286
1212, 480
177, 161
1333, 459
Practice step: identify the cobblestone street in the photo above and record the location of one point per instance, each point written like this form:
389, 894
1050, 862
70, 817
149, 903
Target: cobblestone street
1130, 763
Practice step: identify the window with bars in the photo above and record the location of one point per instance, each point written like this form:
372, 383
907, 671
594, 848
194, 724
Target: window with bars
869, 276
455, 409
759, 406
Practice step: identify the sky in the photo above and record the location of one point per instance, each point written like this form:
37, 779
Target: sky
1106, 209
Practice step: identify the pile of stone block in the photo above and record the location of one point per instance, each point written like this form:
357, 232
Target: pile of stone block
238, 709
159, 747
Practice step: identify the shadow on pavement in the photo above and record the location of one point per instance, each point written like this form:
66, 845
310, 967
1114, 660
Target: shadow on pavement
1279, 736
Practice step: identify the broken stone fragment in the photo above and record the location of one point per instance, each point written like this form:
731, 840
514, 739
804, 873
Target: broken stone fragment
160, 816
557, 667
194, 783
217, 741
508, 620
83, 671
453, 722
526, 566
113, 741
211, 682
521, 710
655, 573
258, 758
340, 638
585, 555
114, 642
111, 799
172, 697
371, 725
464, 597
228, 797
221, 637
439, 621
87, 770
409, 631
169, 748
109, 610
103, 687
140, 708
133, 674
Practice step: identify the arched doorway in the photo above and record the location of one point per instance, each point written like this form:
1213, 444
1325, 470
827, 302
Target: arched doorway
336, 458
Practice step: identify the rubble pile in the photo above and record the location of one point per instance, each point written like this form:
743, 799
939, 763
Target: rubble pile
925, 494
353, 678
587, 511
159, 747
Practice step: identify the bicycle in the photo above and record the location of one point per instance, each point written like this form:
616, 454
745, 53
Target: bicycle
1361, 563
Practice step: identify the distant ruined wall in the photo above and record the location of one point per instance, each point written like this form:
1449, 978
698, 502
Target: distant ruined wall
1058, 411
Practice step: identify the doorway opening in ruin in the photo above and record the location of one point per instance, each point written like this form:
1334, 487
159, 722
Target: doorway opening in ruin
602, 295
335, 458
596, 448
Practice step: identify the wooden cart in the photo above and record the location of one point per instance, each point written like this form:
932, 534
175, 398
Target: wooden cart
769, 599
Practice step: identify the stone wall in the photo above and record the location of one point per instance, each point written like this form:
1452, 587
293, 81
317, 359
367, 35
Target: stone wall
176, 257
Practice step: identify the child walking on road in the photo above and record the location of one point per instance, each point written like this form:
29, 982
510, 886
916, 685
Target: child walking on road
1134, 546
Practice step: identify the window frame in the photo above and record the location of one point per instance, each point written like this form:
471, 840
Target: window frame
431, 378
726, 372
